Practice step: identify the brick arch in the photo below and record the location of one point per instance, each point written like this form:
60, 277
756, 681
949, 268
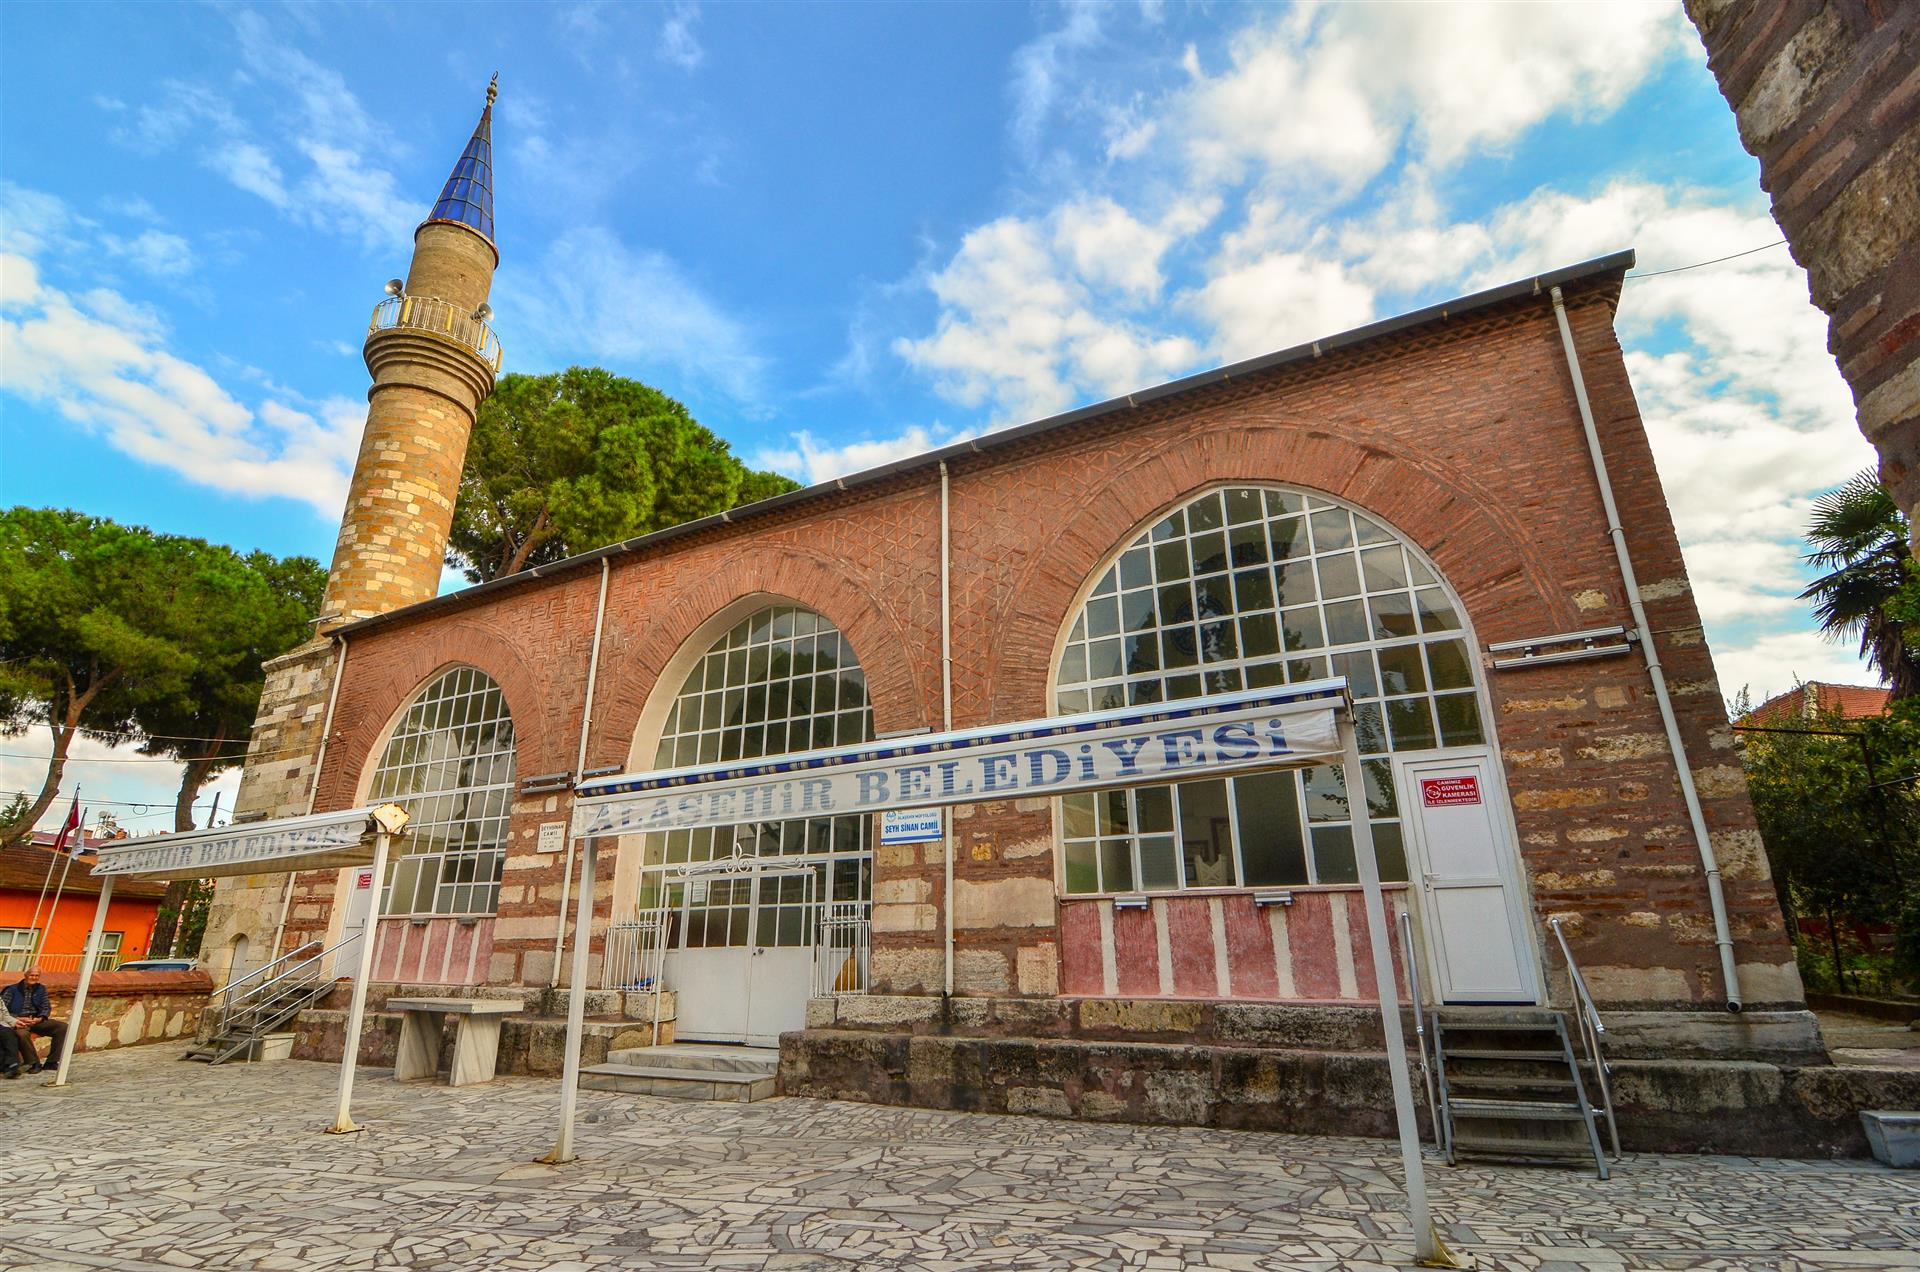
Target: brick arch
782, 573
1478, 546
373, 697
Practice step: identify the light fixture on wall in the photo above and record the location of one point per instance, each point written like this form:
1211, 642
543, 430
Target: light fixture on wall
1130, 903
1281, 897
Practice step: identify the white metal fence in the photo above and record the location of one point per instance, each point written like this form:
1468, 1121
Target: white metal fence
636, 952
841, 960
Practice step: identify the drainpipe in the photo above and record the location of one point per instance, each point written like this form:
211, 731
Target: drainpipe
313, 792
580, 767
1716, 899
946, 697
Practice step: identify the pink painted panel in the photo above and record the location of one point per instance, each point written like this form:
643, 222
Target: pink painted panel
1190, 934
1249, 950
1136, 953
389, 950
1363, 945
1080, 949
433, 957
1316, 973
460, 954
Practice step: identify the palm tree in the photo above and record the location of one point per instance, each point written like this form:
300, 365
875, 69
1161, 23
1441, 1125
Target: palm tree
1858, 535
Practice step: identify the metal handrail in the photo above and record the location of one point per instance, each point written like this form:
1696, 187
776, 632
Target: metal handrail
1593, 1032
441, 318
227, 992
231, 1006
1412, 961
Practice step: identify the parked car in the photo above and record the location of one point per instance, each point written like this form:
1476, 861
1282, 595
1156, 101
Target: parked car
159, 965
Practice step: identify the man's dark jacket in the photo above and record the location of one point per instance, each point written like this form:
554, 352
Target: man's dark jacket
23, 999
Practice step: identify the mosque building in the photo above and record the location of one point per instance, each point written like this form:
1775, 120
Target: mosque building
1456, 510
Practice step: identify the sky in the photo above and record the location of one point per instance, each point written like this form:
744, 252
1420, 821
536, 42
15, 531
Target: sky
843, 234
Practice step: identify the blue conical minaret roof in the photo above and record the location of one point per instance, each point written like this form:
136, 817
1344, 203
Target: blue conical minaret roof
467, 198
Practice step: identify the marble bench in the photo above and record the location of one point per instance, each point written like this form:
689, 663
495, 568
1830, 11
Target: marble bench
476, 1042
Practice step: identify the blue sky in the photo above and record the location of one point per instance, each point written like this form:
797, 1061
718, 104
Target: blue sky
842, 234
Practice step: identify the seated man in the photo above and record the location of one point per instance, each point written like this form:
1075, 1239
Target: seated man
10, 1044
26, 999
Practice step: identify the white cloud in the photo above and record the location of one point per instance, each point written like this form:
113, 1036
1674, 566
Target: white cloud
153, 252
1027, 322
103, 362
809, 460
678, 44
1772, 663
1336, 91
593, 298
141, 788
1278, 300
1041, 64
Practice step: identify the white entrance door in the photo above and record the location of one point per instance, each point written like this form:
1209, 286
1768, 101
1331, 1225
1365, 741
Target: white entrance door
359, 884
743, 963
1470, 890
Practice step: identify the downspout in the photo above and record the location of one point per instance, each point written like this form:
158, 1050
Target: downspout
1716, 898
946, 697
313, 792
579, 767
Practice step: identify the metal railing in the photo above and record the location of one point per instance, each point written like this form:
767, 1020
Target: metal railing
21, 960
304, 970
842, 960
634, 952
1420, 1040
1593, 1033
441, 318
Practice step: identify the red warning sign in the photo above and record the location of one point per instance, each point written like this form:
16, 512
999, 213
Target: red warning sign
365, 880
1443, 792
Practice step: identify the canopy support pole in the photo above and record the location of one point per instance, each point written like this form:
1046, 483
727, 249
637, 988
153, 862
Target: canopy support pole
576, 1008
79, 1013
357, 1012
1428, 1249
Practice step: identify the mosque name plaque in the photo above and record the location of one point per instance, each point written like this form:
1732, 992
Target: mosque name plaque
911, 826
1142, 745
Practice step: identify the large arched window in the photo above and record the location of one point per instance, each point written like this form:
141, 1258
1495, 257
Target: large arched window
1244, 588
782, 679
450, 764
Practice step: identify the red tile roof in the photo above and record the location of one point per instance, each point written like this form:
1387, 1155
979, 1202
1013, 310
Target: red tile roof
1818, 698
24, 868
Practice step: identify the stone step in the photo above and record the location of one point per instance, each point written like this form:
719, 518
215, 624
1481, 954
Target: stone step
678, 1084
698, 1059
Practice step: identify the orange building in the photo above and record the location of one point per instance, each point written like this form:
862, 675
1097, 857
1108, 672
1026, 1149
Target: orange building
57, 938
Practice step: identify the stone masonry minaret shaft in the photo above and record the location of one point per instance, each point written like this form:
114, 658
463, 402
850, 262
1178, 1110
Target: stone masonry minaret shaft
433, 360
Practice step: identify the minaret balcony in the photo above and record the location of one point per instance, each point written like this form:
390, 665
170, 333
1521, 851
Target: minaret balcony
437, 318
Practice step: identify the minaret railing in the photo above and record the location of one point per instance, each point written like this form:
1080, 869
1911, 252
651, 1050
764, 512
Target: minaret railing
440, 318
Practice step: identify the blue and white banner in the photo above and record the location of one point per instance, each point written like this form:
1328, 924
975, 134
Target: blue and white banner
1132, 746
291, 843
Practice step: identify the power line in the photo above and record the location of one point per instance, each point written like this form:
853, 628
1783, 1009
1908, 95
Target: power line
126, 759
1681, 269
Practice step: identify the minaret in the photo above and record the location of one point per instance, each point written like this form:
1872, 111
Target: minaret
433, 360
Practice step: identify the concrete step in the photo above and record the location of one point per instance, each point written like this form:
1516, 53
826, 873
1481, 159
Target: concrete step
700, 1059
678, 1084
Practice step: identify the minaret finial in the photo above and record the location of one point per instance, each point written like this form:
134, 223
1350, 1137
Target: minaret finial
493, 89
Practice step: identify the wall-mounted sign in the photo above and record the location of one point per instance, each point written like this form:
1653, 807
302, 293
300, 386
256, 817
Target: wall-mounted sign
364, 879
553, 837
911, 826
1443, 792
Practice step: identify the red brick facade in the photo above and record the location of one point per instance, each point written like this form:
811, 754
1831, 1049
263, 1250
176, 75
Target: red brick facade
1461, 433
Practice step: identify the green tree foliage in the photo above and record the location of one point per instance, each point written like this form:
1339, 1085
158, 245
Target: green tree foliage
243, 610
1858, 537
1840, 816
562, 464
83, 605
115, 632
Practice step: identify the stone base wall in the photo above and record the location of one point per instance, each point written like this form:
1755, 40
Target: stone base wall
1661, 1105
125, 1009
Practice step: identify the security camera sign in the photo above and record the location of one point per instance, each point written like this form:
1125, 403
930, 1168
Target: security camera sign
1446, 792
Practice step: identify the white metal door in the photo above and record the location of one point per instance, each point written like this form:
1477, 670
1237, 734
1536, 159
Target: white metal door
1469, 882
359, 881
780, 977
707, 965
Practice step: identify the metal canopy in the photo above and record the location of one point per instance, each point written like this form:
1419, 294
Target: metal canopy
1143, 745
319, 842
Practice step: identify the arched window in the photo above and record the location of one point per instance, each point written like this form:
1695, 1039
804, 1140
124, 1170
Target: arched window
450, 764
1244, 588
783, 679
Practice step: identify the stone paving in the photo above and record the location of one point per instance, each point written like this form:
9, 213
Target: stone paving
145, 1163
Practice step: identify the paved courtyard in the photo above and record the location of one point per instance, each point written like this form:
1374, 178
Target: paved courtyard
146, 1163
